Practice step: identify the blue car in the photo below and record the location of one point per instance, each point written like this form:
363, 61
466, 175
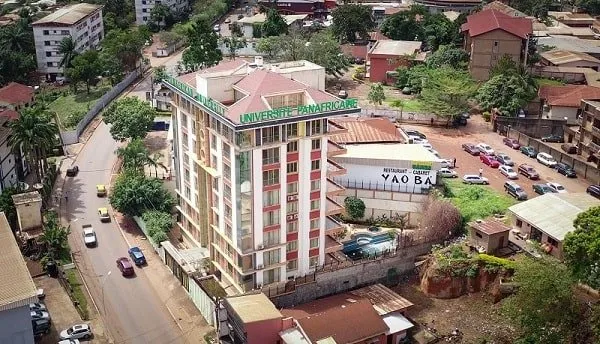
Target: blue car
137, 256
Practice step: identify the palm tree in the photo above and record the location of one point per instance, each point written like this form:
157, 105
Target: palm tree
67, 49
17, 37
33, 133
135, 156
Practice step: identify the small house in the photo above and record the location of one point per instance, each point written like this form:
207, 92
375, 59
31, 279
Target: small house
489, 236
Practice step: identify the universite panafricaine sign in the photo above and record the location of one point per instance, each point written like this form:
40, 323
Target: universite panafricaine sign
191, 92
300, 110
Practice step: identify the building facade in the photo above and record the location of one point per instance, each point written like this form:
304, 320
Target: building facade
252, 159
588, 136
439, 6
387, 55
82, 22
144, 7
315, 8
15, 96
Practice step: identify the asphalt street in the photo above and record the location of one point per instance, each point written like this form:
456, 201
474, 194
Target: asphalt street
132, 311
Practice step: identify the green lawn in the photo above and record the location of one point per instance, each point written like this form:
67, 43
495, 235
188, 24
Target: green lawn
475, 201
548, 82
410, 105
73, 106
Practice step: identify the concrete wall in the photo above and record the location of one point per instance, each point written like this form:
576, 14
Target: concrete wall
532, 127
560, 112
29, 215
15, 326
381, 64
526, 228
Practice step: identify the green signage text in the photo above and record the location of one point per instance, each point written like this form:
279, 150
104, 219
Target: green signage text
287, 111
191, 92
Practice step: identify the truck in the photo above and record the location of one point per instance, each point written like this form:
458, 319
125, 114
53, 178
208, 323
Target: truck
89, 236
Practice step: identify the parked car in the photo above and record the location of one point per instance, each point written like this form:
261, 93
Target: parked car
445, 172
217, 28
39, 315
529, 151
413, 132
512, 143
72, 171
41, 326
489, 160
37, 307
593, 190
485, 148
137, 256
553, 138
474, 179
546, 159
125, 266
80, 331
569, 148
40, 294
426, 145
508, 172
69, 341
515, 190
417, 139
100, 190
89, 236
557, 187
471, 149
566, 170
542, 189
504, 159
103, 214
528, 171
342, 94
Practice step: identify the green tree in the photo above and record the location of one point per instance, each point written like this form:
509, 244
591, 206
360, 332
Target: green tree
351, 21
376, 94
581, 247
293, 45
133, 194
446, 92
85, 68
17, 37
538, 9
135, 155
449, 56
33, 133
543, 307
274, 24
158, 224
203, 51
112, 67
117, 14
589, 6
126, 46
400, 104
324, 50
506, 92
130, 118
271, 47
68, 51
7, 205
55, 239
355, 207
233, 44
16, 66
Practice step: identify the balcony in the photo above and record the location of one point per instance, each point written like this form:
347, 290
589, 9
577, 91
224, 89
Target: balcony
333, 188
334, 169
335, 129
334, 149
333, 208
332, 245
332, 226
596, 131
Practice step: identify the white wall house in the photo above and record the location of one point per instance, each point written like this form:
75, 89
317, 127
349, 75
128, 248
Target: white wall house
83, 22
144, 7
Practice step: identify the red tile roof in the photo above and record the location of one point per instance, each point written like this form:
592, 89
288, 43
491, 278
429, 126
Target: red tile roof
15, 93
568, 95
225, 66
377, 36
490, 20
356, 51
367, 130
9, 114
490, 227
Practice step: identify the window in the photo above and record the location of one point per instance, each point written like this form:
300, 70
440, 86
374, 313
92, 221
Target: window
270, 135
271, 218
145, 18
226, 150
315, 165
552, 242
292, 264
227, 212
186, 175
184, 140
495, 48
188, 193
271, 276
144, 10
315, 185
226, 171
315, 223
291, 130
292, 188
48, 53
292, 227
213, 141
270, 198
270, 177
315, 204
46, 43
316, 144
270, 156
216, 184
271, 257
478, 235
313, 261
315, 127
184, 120
292, 146
292, 207
271, 238
314, 242
46, 32
292, 246
292, 167
226, 191
64, 32
519, 223
49, 64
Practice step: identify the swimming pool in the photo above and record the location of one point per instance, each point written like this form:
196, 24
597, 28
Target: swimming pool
364, 245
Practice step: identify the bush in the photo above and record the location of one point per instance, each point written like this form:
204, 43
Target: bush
73, 118
355, 207
486, 116
497, 262
257, 30
77, 294
158, 224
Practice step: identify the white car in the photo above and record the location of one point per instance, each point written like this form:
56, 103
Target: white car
546, 159
447, 173
39, 315
89, 236
485, 148
77, 332
508, 172
417, 139
474, 179
557, 187
37, 307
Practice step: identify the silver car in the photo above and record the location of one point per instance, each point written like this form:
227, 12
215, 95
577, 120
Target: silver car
475, 179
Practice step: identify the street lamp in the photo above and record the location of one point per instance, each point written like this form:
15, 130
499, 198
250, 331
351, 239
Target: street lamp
102, 287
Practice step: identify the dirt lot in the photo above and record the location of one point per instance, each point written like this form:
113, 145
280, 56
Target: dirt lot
448, 143
474, 315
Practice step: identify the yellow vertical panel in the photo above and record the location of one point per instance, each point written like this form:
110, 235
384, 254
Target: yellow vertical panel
302, 129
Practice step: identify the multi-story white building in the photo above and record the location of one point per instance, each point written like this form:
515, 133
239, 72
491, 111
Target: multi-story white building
144, 7
83, 22
252, 159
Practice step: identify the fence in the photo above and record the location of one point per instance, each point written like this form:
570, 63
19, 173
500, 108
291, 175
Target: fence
369, 185
64, 281
72, 136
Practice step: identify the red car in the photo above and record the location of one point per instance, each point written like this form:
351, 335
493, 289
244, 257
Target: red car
512, 143
125, 266
489, 160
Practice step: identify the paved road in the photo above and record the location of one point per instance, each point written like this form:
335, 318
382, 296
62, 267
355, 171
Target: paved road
133, 312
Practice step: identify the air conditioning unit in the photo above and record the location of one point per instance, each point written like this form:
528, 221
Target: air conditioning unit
259, 267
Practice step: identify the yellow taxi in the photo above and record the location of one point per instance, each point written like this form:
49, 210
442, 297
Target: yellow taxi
100, 190
103, 213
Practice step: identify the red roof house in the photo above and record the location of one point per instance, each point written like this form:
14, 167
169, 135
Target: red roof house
15, 95
560, 102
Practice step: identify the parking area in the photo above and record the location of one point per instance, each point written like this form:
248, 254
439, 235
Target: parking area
448, 143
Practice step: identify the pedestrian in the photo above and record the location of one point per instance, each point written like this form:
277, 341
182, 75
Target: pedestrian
67, 196
481, 172
454, 163
432, 121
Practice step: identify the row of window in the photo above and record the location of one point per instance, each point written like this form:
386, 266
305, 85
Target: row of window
56, 32
292, 246
271, 177
293, 264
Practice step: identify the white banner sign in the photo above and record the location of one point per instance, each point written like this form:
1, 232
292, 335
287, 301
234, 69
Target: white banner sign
409, 177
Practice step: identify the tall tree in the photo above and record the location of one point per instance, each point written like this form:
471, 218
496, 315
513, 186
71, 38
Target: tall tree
582, 247
126, 46
589, 6
134, 194
538, 9
271, 47
233, 44
351, 21
130, 118
135, 155
446, 92
203, 51
293, 45
274, 24
16, 66
68, 51
85, 68
376, 94
55, 239
161, 16
17, 37
324, 50
446, 55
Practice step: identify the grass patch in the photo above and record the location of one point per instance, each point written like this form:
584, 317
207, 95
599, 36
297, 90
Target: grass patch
548, 82
410, 105
77, 293
476, 201
70, 107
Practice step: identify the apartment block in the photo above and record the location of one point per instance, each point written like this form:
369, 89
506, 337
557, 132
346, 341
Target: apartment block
144, 7
83, 22
253, 162
588, 136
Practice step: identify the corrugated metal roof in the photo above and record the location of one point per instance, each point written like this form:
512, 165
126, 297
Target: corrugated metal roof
553, 213
383, 299
68, 15
16, 285
253, 307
